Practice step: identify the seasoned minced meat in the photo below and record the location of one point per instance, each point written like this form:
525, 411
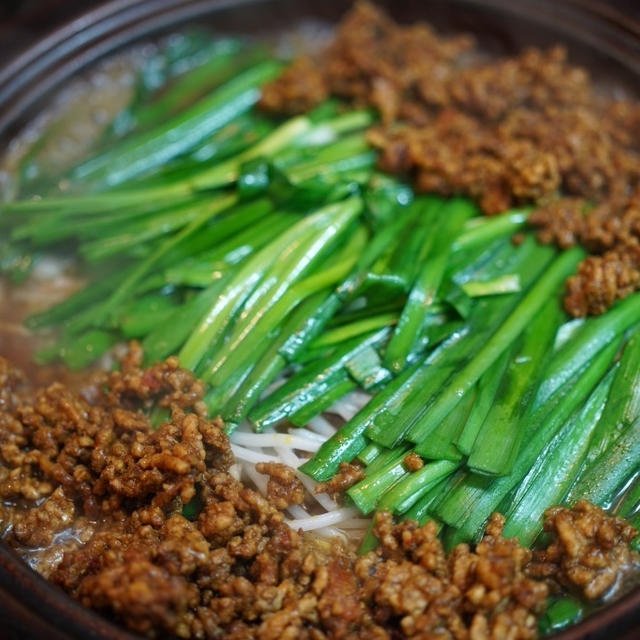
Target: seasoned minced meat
10, 380
601, 280
300, 86
410, 581
412, 461
371, 61
35, 527
611, 231
348, 474
163, 383
284, 488
519, 130
93, 497
590, 552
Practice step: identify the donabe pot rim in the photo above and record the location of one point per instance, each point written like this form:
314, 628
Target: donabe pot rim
36, 607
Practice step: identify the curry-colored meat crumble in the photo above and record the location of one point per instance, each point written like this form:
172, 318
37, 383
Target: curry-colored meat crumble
94, 498
528, 129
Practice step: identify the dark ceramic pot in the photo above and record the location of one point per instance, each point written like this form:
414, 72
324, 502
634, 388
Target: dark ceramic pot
597, 35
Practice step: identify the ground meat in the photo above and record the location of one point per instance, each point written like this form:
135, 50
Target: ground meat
412, 461
599, 281
610, 231
371, 61
300, 86
10, 380
147, 526
348, 474
560, 222
36, 526
410, 581
520, 130
164, 383
283, 488
590, 552
146, 596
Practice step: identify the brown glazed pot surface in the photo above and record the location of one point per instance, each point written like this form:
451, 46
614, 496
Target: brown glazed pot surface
598, 36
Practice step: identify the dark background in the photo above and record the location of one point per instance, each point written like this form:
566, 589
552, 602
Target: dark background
24, 21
